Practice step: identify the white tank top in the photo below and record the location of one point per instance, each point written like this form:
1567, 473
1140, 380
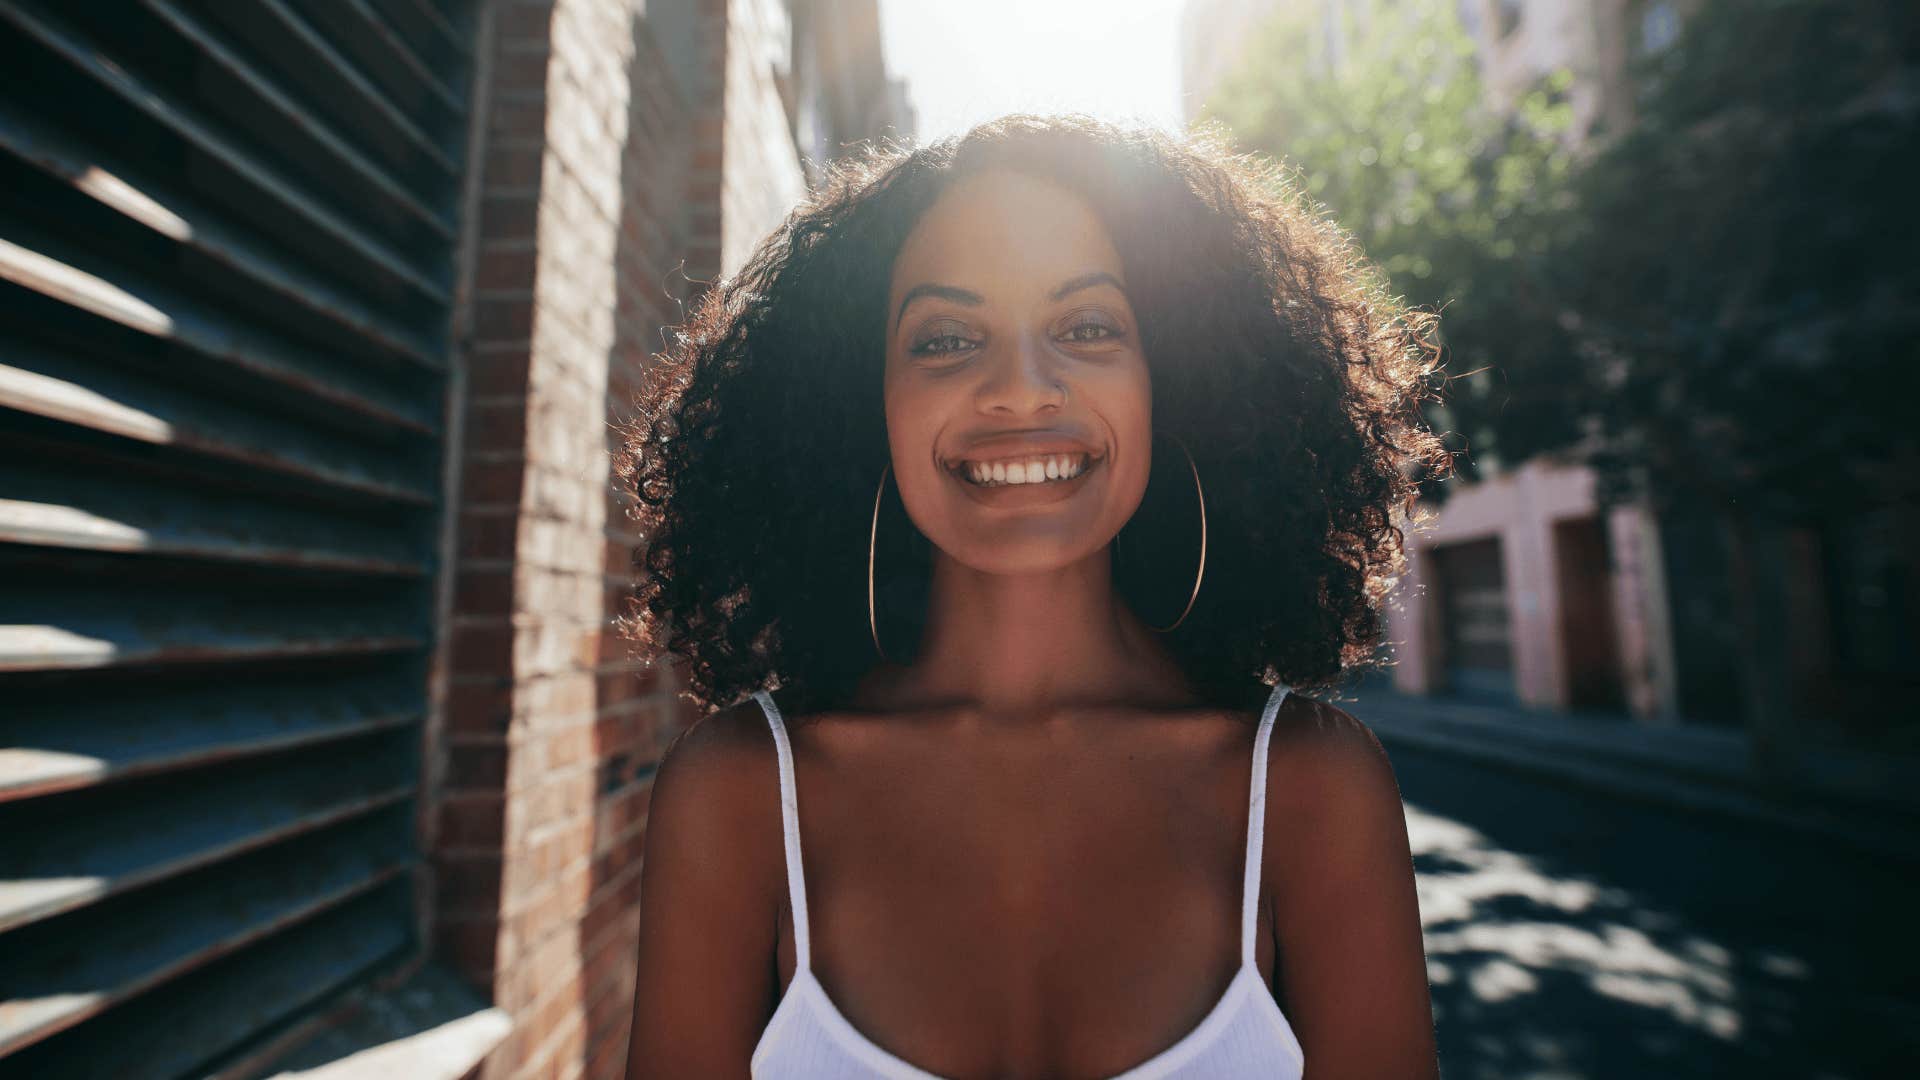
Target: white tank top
1245, 1035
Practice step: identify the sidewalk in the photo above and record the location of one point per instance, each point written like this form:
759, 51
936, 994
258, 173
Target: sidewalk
1869, 803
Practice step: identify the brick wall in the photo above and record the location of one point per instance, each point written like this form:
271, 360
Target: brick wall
760, 175
745, 173
607, 189
551, 730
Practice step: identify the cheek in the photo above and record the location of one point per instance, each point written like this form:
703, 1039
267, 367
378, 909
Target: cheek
1130, 413
913, 426
1125, 401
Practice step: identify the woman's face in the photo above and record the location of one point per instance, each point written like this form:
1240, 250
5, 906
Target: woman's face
1011, 342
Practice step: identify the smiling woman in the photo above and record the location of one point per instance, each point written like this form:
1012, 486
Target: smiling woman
1016, 776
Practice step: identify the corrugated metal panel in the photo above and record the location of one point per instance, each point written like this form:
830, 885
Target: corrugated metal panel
227, 230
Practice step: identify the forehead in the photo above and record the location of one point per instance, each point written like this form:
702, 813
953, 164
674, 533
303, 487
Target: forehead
1002, 231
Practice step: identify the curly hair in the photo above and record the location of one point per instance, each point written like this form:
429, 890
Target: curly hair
1275, 355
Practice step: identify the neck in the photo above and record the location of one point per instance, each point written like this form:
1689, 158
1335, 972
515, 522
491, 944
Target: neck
1026, 646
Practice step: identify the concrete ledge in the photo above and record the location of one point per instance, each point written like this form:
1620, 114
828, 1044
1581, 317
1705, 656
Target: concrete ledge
432, 1027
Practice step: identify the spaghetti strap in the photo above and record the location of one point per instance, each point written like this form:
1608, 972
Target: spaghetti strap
796, 876
1256, 825
790, 827
1245, 1034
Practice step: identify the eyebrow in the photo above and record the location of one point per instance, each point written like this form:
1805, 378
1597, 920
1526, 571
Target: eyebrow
973, 299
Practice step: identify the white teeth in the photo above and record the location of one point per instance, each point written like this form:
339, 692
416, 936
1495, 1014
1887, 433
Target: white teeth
1036, 471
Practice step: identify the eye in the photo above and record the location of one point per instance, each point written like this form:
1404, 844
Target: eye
942, 337
940, 345
1089, 331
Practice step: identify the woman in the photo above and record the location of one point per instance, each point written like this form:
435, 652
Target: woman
1033, 467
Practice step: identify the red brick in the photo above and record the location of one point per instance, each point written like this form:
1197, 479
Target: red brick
608, 1054
510, 119
504, 268
511, 167
498, 369
524, 21
609, 908
624, 683
476, 766
491, 482
560, 851
497, 423
482, 707
508, 217
483, 592
468, 885
469, 946
559, 1054
488, 535
540, 918
482, 650
570, 747
606, 1014
502, 319
472, 821
520, 71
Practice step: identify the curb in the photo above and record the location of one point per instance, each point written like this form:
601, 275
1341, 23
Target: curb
1646, 777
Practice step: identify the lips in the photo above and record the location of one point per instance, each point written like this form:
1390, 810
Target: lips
1022, 496
1021, 446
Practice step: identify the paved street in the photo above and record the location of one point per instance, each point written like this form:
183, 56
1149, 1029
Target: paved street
1572, 934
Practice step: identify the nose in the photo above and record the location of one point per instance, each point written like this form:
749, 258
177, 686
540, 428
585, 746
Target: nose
1020, 379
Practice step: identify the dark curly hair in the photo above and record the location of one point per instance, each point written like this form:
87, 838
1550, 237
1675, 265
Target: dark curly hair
1275, 355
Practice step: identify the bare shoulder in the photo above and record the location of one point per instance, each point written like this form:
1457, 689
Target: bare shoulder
722, 739
1344, 898
716, 794
711, 878
722, 757
1325, 760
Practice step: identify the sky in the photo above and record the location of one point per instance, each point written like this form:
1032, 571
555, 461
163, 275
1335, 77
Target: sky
971, 60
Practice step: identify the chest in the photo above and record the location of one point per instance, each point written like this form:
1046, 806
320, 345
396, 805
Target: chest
1025, 915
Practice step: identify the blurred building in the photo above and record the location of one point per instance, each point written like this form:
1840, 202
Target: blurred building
1595, 40
840, 90
315, 738
1522, 590
1525, 591
1214, 35
1518, 42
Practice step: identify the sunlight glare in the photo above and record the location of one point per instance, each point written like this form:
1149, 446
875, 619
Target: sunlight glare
965, 63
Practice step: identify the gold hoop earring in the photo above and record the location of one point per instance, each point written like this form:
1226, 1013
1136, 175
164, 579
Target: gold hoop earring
1200, 572
873, 535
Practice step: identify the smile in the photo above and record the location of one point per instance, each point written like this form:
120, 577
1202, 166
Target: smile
1031, 469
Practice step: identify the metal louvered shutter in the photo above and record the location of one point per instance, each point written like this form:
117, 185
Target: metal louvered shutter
227, 245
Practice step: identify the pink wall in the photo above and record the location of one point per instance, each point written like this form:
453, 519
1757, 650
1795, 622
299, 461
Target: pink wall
1519, 508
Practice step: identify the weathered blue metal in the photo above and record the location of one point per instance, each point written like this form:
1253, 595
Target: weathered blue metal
72, 508
227, 238
336, 86
219, 149
227, 1001
111, 949
182, 219
65, 745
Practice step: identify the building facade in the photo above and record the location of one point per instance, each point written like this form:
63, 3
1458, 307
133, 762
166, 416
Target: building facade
319, 748
1521, 589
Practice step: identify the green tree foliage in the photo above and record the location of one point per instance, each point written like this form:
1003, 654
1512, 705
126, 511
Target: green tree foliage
1742, 260
1378, 110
